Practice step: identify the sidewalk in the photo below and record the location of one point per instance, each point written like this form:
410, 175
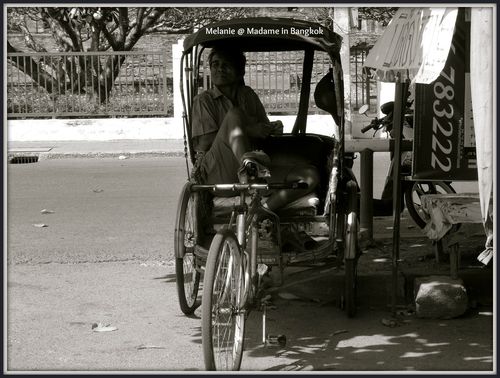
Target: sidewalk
93, 149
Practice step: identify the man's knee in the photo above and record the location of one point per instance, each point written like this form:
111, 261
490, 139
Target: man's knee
233, 125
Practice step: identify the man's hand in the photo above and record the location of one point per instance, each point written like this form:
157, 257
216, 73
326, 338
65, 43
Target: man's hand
257, 129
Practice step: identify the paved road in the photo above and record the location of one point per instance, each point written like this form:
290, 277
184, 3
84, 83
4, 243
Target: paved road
106, 257
104, 209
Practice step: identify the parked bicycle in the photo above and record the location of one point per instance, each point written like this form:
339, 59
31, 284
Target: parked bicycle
412, 190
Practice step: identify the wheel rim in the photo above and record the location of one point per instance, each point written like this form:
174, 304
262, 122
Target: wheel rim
191, 278
421, 188
352, 249
186, 238
191, 275
227, 319
190, 234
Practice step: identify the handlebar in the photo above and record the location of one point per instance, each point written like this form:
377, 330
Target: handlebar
238, 187
366, 128
376, 124
386, 121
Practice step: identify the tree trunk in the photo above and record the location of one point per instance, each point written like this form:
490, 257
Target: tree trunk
108, 77
34, 69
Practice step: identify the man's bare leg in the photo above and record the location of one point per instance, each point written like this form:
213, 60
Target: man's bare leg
283, 197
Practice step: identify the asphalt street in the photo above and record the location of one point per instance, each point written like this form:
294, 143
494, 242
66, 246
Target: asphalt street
104, 209
105, 255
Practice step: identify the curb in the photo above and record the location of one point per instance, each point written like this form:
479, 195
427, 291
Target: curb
92, 155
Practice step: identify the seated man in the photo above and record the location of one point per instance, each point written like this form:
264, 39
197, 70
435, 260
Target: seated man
227, 123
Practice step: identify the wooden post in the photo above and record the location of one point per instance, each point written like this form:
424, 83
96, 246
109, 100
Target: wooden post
341, 27
398, 119
366, 208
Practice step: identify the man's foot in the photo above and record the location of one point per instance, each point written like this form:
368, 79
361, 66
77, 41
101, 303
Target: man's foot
258, 156
254, 165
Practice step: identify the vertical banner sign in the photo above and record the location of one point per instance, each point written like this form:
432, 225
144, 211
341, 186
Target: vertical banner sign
444, 146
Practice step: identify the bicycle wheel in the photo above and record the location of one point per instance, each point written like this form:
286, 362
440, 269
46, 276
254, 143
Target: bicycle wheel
222, 321
351, 252
186, 235
416, 190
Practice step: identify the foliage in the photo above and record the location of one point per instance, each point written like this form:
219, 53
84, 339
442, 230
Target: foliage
99, 29
382, 15
323, 16
122, 102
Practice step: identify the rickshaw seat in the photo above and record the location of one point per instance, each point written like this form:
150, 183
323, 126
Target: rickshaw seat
307, 205
291, 150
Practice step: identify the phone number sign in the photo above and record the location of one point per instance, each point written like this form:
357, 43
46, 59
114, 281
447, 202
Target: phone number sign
444, 145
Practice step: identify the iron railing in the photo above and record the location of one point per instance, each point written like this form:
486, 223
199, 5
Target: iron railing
87, 84
100, 84
363, 88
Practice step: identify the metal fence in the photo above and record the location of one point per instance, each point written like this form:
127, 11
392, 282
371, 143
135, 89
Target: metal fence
103, 84
87, 84
363, 88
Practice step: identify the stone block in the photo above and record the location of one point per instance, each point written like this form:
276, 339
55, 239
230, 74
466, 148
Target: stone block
440, 297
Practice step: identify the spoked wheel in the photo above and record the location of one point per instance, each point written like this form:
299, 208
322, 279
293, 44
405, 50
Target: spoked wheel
351, 252
416, 190
185, 239
222, 319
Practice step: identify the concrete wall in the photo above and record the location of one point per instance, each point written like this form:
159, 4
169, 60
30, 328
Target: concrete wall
94, 129
127, 128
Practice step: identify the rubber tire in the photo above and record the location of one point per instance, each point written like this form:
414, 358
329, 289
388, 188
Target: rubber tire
187, 294
413, 208
351, 249
208, 321
351, 265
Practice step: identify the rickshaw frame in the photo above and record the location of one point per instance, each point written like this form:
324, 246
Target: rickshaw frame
342, 196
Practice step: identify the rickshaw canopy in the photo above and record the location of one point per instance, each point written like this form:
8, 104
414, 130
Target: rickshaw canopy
267, 34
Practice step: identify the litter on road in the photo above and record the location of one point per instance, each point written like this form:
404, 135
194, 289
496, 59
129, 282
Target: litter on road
99, 327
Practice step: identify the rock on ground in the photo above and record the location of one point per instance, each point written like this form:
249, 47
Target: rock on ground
440, 297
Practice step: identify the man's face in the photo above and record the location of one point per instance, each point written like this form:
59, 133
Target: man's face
222, 71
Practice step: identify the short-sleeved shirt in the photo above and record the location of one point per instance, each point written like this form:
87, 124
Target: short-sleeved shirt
211, 106
219, 164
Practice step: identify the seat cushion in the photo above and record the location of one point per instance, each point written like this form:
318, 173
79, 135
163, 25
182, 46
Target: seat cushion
307, 205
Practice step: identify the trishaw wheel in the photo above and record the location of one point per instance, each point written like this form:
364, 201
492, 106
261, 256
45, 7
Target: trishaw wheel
222, 318
416, 190
351, 254
350, 266
187, 270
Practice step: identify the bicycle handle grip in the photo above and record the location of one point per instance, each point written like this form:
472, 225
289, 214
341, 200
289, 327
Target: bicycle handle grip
366, 128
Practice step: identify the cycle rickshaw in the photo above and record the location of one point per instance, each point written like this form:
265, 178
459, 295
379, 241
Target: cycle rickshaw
241, 251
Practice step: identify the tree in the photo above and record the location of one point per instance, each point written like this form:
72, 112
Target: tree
382, 15
97, 29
